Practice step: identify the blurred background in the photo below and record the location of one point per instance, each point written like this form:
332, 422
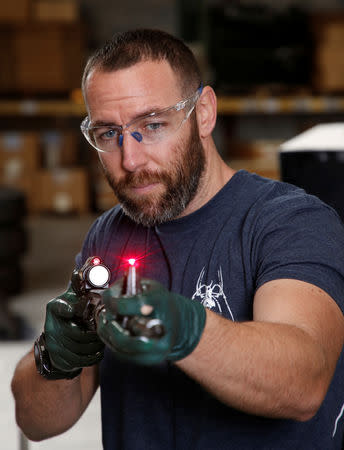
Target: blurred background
277, 69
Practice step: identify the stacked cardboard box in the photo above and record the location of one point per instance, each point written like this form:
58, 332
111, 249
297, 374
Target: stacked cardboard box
104, 197
44, 167
63, 190
55, 11
14, 11
41, 46
59, 149
20, 11
7, 59
19, 163
328, 74
61, 184
46, 58
259, 156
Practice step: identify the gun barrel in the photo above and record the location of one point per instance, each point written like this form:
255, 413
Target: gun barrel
131, 284
89, 289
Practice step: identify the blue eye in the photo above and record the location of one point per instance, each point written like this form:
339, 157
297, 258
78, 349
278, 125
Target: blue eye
154, 126
110, 134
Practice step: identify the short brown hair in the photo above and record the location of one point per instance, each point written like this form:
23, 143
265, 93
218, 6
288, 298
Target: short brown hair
126, 49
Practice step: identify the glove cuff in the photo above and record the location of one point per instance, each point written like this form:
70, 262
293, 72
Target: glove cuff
194, 318
44, 365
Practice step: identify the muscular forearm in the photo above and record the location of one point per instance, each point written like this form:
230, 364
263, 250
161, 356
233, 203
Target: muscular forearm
261, 368
45, 408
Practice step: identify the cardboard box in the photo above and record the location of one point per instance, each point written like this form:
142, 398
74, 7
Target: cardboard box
20, 150
14, 11
259, 156
328, 67
328, 27
48, 58
257, 166
7, 59
55, 11
60, 149
63, 190
19, 161
259, 148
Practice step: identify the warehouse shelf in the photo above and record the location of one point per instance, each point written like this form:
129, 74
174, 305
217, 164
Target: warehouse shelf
226, 106
280, 105
42, 108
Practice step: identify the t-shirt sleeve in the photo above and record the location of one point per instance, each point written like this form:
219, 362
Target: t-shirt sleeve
299, 237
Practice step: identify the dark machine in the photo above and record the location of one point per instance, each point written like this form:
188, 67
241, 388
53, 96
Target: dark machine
314, 161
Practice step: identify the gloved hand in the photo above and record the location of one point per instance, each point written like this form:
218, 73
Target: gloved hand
70, 345
182, 318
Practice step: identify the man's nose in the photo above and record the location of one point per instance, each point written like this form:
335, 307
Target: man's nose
133, 152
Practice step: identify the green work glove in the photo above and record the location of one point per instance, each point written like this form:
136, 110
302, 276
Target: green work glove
70, 345
183, 320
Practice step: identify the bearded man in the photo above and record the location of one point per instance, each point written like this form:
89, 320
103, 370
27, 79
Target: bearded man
245, 274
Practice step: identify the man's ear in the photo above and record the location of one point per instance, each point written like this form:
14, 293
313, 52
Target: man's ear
206, 112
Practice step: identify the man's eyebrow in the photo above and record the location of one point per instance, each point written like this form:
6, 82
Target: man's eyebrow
147, 112
102, 123
144, 113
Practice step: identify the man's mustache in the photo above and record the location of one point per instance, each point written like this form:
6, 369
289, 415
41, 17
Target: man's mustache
144, 177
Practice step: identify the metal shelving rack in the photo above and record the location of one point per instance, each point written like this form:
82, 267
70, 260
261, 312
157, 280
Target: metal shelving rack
298, 104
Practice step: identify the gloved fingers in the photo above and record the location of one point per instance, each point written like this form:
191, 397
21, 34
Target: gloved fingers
60, 361
73, 331
131, 306
117, 338
65, 359
154, 293
60, 327
114, 291
59, 342
139, 350
113, 335
60, 308
148, 285
140, 304
78, 348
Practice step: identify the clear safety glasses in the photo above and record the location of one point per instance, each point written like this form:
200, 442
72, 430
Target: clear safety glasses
147, 129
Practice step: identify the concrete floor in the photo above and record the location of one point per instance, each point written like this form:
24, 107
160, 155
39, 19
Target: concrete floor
48, 263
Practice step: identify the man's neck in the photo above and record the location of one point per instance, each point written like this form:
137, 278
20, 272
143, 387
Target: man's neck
216, 174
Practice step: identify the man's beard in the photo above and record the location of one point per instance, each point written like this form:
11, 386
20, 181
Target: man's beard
181, 180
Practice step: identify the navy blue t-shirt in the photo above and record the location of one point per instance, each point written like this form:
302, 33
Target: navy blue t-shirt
253, 231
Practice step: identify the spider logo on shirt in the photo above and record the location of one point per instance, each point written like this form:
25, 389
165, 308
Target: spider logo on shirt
212, 295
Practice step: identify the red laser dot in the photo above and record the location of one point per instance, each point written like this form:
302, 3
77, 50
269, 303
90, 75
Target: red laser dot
96, 261
132, 261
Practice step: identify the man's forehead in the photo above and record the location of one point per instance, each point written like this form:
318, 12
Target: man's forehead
134, 93
147, 78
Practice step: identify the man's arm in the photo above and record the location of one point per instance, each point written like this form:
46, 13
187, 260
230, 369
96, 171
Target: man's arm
280, 364
46, 408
